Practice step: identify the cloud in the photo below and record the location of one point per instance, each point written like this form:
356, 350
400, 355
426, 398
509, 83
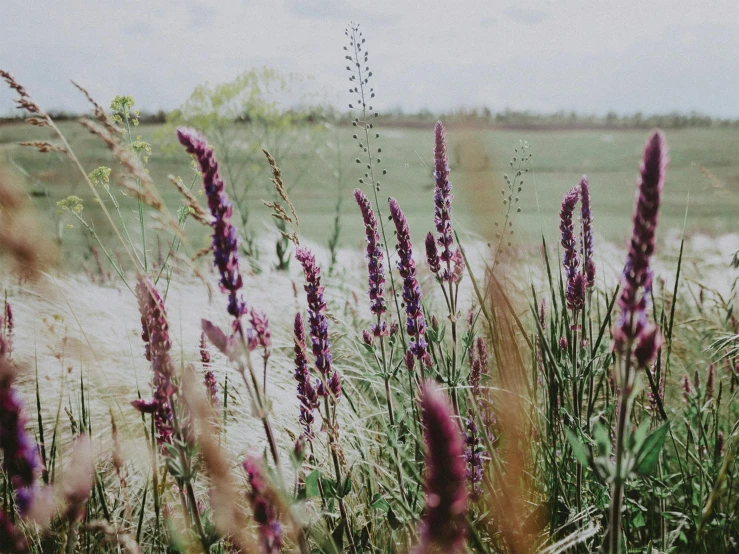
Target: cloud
526, 16
138, 28
337, 10
201, 15
536, 55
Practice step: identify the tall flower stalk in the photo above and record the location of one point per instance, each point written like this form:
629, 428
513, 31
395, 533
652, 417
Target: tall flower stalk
575, 297
448, 265
376, 270
330, 384
225, 244
307, 391
379, 330
636, 340
586, 240
357, 57
225, 247
170, 433
155, 334
415, 323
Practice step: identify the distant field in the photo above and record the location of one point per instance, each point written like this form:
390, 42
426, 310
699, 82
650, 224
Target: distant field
479, 159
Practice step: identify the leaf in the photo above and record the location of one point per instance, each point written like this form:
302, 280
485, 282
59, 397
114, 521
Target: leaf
347, 488
578, 449
311, 484
393, 519
640, 435
648, 454
379, 503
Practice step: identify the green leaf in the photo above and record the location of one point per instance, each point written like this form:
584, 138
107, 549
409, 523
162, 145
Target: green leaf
640, 435
638, 521
311, 484
379, 503
648, 454
347, 488
578, 449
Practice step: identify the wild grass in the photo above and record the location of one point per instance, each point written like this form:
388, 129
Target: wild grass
481, 398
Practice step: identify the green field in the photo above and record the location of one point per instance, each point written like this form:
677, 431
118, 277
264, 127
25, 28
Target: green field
479, 160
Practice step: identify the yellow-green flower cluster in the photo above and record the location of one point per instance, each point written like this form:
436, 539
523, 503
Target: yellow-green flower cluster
100, 177
71, 203
122, 107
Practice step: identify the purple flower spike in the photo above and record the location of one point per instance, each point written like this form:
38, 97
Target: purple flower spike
155, 333
459, 267
586, 220
316, 310
209, 378
368, 338
225, 239
11, 538
307, 394
443, 197
374, 256
21, 458
473, 453
637, 276
263, 505
410, 361
334, 385
260, 327
710, 381
443, 525
570, 260
415, 323
687, 389
648, 342
479, 364
432, 255
720, 445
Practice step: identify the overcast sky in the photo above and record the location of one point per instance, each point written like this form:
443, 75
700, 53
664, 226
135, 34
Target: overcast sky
586, 55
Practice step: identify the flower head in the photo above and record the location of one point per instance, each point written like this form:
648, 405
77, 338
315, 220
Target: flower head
225, 239
260, 329
710, 381
307, 393
473, 455
478, 365
316, 310
443, 525
415, 322
375, 256
570, 260
432, 254
21, 458
636, 281
586, 242
443, 197
155, 334
263, 505
209, 378
687, 389
11, 538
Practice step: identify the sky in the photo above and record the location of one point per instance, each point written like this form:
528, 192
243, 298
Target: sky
591, 56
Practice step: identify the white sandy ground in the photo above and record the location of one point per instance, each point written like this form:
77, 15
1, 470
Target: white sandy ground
68, 329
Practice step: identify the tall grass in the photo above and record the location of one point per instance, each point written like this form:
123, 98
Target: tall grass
466, 403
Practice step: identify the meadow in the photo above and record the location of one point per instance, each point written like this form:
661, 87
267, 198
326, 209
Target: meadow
525, 360
704, 178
